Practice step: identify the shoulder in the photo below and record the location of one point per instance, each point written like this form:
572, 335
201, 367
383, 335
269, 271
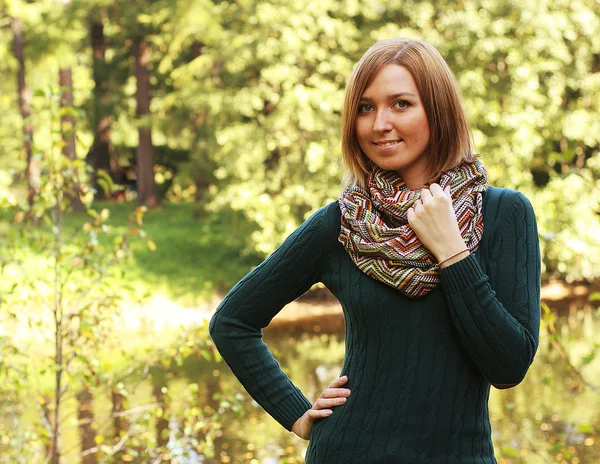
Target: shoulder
505, 199
327, 218
322, 223
503, 207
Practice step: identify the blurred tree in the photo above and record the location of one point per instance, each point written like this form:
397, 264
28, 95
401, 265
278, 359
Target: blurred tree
146, 188
99, 155
192, 63
252, 90
529, 75
67, 127
32, 172
281, 77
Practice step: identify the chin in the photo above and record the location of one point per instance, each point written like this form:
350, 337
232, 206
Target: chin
388, 164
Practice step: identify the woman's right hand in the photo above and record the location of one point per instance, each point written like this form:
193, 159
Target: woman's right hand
331, 396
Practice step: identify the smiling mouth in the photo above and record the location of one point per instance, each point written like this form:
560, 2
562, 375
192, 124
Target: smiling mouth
387, 144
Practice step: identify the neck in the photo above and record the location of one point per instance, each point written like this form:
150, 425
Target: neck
415, 182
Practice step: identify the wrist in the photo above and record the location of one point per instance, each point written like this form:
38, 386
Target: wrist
295, 427
454, 258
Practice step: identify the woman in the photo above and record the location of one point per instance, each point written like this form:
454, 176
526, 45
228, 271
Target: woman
437, 272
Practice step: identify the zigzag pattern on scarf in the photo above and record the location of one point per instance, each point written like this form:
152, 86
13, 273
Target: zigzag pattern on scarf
378, 238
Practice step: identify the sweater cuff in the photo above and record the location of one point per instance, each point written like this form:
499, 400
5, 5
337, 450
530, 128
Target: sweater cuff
293, 410
461, 275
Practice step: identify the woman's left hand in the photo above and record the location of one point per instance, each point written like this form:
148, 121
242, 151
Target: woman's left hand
434, 221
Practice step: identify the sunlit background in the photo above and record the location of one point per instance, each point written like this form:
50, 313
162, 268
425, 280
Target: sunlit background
152, 152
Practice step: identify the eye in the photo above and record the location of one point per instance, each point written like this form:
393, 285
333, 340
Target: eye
364, 108
402, 104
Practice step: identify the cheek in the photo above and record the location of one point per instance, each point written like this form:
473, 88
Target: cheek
360, 127
362, 132
419, 128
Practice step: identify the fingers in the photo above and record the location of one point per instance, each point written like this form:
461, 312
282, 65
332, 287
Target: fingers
410, 215
335, 392
435, 193
318, 413
331, 397
435, 189
339, 381
323, 403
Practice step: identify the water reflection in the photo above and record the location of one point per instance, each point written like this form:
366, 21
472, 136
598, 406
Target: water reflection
552, 416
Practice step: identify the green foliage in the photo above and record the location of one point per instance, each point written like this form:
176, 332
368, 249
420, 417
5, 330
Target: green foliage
59, 328
253, 90
531, 90
55, 293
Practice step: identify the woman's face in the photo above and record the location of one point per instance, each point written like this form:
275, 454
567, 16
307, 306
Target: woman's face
392, 127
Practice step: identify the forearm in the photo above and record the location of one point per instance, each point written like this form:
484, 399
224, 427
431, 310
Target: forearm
253, 364
500, 345
497, 314
236, 327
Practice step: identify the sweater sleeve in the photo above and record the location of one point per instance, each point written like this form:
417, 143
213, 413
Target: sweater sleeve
497, 317
236, 326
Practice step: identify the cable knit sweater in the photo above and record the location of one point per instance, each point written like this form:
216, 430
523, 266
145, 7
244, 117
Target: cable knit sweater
419, 369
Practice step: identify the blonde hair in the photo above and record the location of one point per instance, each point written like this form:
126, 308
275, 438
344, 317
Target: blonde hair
450, 142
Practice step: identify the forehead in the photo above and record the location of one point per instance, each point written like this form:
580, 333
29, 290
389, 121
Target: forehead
391, 79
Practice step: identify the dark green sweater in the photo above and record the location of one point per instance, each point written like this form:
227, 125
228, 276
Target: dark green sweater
419, 369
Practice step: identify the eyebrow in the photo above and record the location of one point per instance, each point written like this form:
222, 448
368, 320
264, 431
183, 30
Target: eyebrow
391, 97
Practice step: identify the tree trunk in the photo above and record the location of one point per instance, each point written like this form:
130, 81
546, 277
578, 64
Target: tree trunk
87, 432
46, 400
32, 171
162, 424
201, 182
120, 423
100, 152
59, 321
201, 187
67, 128
146, 188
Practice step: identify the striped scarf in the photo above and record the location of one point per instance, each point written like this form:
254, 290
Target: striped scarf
378, 238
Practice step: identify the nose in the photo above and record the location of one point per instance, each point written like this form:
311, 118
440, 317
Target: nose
382, 122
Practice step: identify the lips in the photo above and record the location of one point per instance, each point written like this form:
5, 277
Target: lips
385, 146
387, 143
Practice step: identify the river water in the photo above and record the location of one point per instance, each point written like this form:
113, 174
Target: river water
553, 416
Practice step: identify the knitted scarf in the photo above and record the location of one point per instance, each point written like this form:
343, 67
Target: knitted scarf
378, 238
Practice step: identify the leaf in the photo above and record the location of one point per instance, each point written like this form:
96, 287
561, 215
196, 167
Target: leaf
509, 451
151, 245
585, 428
103, 185
65, 111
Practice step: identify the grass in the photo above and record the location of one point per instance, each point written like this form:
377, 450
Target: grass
195, 259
